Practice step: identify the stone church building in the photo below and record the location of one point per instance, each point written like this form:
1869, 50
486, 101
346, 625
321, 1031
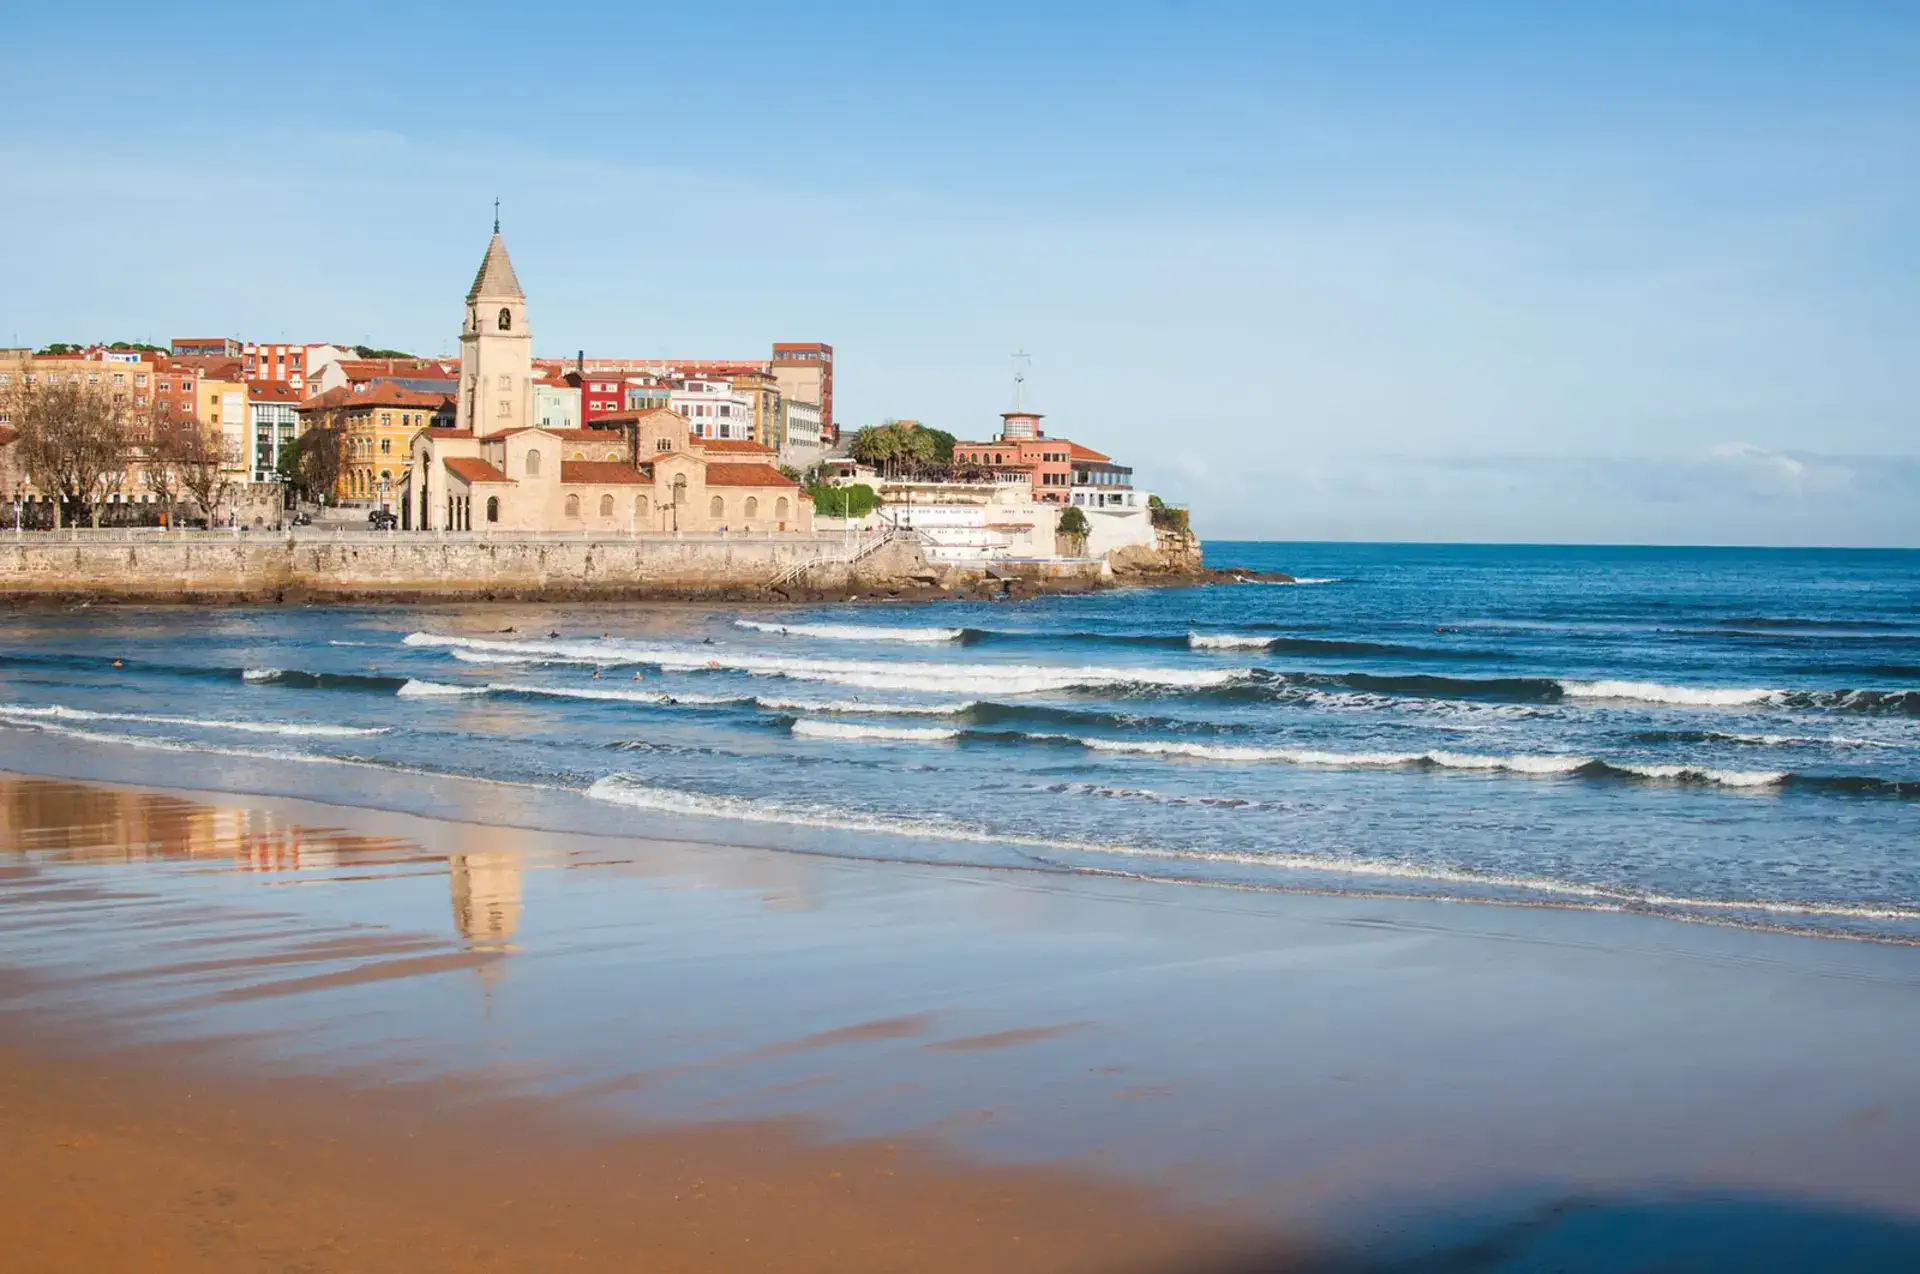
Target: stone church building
638, 473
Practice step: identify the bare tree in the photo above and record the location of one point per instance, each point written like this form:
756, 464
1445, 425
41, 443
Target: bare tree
203, 464
158, 474
76, 442
322, 455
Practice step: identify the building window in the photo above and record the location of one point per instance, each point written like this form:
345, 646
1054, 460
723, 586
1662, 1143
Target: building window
506, 319
606, 506
493, 508
533, 464
780, 510
573, 506
753, 507
680, 489
386, 446
640, 506
506, 408
716, 508
506, 381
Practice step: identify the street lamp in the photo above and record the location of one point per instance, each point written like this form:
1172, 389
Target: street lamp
19, 498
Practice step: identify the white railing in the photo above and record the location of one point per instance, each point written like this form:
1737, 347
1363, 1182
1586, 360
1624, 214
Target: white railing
869, 543
361, 535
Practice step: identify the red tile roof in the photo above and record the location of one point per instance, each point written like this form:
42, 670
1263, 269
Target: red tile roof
275, 390
7, 435
602, 473
1085, 453
565, 435
747, 475
732, 447
474, 469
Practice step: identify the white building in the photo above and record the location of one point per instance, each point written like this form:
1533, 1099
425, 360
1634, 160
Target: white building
556, 404
804, 445
713, 409
272, 425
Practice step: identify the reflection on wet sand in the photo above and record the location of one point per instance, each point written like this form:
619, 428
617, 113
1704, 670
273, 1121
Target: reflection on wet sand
1320, 1054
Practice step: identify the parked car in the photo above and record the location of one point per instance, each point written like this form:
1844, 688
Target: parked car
383, 520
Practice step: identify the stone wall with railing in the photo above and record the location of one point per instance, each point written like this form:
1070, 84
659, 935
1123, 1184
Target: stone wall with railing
315, 563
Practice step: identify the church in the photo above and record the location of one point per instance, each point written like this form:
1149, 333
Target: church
641, 473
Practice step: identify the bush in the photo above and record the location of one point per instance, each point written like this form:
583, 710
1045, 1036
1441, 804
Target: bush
1073, 522
844, 502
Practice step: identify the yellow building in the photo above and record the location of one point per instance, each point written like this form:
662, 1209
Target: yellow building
221, 407
378, 426
769, 421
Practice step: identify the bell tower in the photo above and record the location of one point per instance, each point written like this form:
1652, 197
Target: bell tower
496, 349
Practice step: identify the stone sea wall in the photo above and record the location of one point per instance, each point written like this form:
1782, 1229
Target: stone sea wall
275, 567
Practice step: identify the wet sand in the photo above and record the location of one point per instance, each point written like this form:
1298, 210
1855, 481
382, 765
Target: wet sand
138, 1163
256, 1033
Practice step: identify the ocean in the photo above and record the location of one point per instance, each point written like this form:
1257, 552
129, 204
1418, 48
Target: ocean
1729, 736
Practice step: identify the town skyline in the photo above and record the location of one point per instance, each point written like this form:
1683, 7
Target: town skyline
1496, 275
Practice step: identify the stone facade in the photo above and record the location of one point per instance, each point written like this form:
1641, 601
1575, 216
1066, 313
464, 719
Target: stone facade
630, 473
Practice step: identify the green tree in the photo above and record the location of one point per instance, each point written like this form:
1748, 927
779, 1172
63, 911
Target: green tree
844, 502
368, 351
1074, 528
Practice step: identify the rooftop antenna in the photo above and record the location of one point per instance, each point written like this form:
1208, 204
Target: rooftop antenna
1021, 361
496, 214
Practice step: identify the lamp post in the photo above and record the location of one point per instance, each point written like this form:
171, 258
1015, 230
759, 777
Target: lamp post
385, 483
19, 497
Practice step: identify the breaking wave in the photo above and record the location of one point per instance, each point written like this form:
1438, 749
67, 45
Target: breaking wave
417, 689
951, 678
620, 789
853, 632
291, 728
808, 729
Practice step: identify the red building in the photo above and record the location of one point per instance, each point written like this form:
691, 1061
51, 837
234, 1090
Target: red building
1023, 447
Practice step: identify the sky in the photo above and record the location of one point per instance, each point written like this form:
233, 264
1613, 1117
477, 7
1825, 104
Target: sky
1625, 272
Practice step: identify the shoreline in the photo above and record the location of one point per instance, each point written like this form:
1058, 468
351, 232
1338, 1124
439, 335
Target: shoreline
1008, 1071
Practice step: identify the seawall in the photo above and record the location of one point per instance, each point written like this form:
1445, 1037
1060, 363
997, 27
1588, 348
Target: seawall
261, 566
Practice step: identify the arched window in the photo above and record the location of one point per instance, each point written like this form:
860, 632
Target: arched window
680, 489
493, 508
606, 506
533, 463
506, 319
573, 506
753, 507
579, 455
717, 508
780, 510
639, 506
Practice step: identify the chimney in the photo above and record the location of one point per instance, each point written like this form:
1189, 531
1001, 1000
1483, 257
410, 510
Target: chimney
580, 362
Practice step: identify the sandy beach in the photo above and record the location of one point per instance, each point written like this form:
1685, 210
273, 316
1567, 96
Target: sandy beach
343, 1038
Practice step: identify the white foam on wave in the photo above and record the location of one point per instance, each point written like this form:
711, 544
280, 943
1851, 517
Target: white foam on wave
1227, 641
1702, 774
1338, 760
949, 678
498, 658
621, 790
418, 689
1304, 581
873, 707
807, 729
291, 728
853, 632
611, 694
1655, 692
261, 674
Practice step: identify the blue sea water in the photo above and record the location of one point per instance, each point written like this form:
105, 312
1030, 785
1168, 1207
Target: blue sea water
1729, 735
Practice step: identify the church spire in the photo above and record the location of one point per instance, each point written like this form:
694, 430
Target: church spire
496, 214
495, 280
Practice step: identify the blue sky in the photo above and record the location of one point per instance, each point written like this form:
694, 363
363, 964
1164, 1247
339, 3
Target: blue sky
1622, 272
